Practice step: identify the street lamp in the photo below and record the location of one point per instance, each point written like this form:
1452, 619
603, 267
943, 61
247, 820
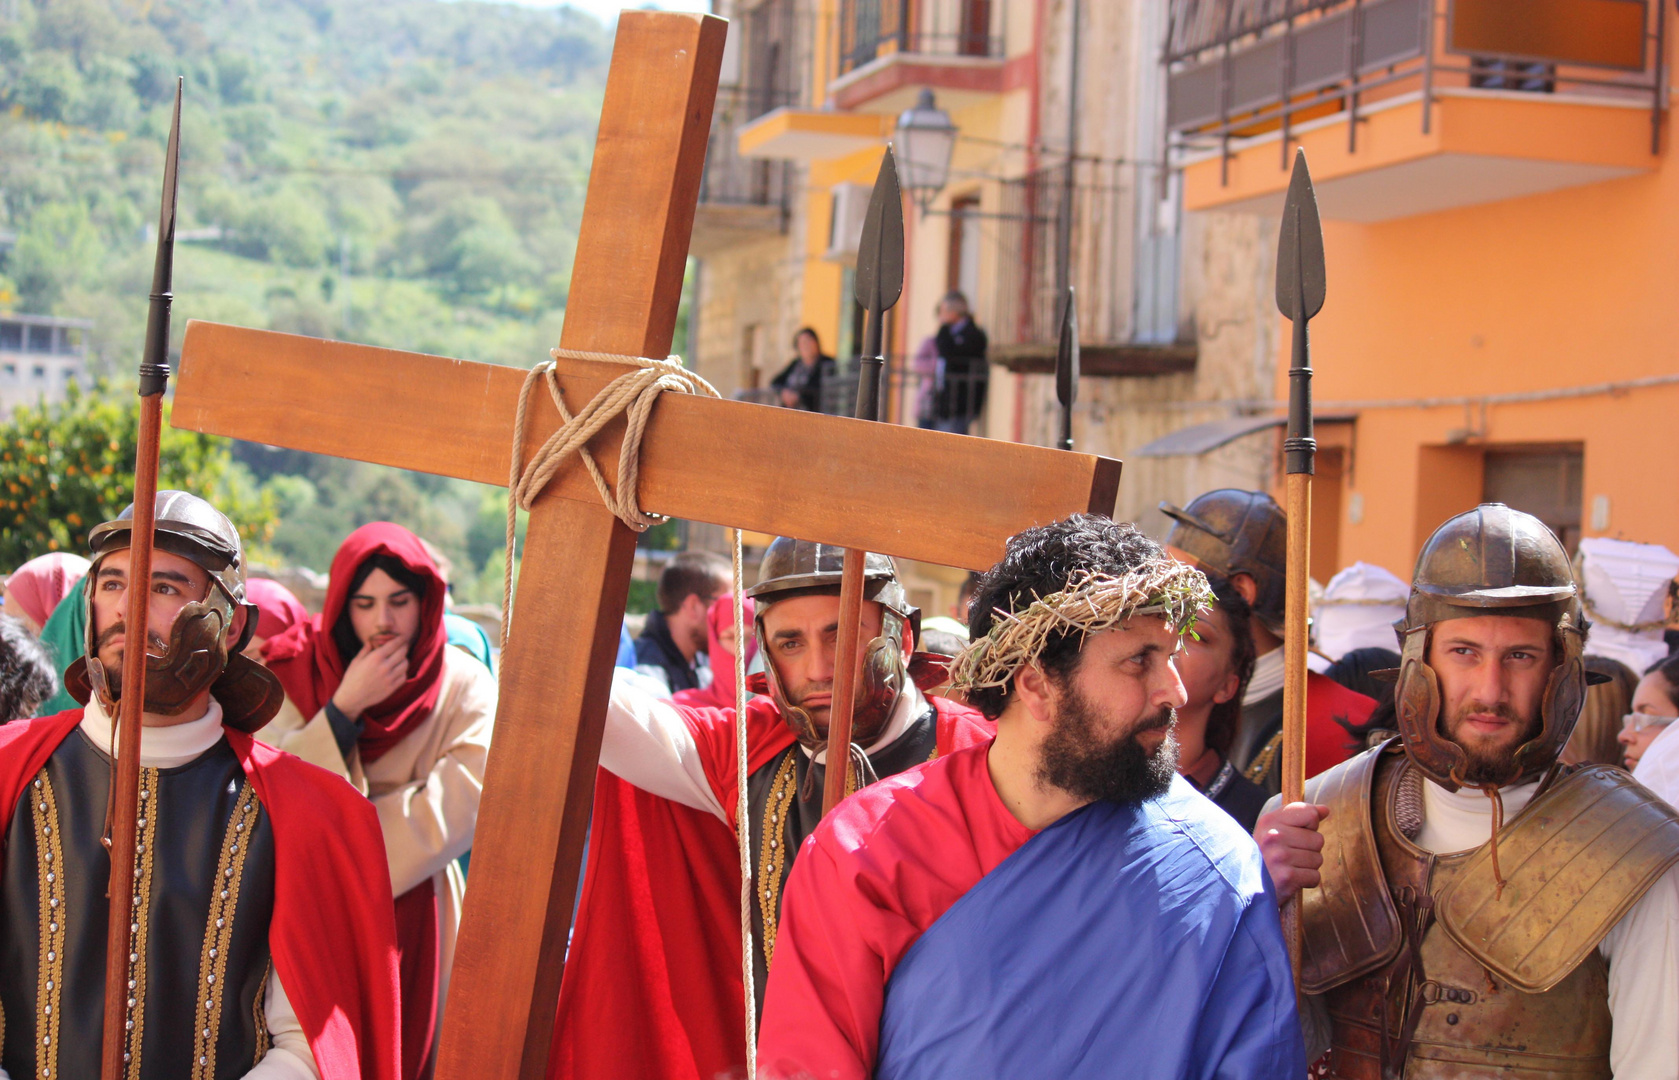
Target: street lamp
924, 141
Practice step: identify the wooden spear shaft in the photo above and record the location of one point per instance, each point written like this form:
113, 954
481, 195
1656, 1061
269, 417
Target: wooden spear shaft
119, 927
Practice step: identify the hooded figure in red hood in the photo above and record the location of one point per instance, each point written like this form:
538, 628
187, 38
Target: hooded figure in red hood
720, 647
375, 693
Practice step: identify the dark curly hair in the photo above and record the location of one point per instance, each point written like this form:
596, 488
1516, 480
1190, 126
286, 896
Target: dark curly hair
1041, 561
1222, 721
27, 677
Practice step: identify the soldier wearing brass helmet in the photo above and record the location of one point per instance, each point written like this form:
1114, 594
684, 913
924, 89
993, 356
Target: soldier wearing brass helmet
1470, 906
1242, 537
662, 837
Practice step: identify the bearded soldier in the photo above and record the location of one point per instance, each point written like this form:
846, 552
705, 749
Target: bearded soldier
652, 984
263, 940
1481, 910
1242, 537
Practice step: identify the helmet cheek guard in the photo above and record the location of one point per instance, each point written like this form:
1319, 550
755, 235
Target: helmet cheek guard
1416, 700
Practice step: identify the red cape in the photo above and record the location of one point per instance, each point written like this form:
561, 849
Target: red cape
1327, 742
652, 987
333, 937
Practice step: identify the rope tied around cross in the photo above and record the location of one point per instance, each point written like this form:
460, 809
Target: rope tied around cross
633, 393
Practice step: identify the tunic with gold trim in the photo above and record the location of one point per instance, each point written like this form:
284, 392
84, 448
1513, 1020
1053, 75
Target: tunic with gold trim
204, 895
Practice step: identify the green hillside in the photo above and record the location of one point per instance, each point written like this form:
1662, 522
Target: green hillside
406, 173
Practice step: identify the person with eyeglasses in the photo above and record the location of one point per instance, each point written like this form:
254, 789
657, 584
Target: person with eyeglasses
1655, 705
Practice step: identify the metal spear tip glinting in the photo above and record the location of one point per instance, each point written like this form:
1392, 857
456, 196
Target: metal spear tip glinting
154, 359
1067, 365
1300, 271
880, 254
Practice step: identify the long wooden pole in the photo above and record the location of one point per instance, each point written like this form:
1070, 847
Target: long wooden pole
123, 814
1300, 295
844, 700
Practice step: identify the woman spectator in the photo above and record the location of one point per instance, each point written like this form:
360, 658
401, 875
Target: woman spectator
1215, 665
1647, 730
800, 382
375, 693
39, 585
720, 646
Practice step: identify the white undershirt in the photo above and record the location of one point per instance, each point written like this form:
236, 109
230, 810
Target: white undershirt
1643, 981
169, 747
647, 743
1267, 677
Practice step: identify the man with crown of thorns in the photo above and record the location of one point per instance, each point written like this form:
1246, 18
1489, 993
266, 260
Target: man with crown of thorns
1056, 901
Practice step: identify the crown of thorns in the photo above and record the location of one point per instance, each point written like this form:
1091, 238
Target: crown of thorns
1090, 604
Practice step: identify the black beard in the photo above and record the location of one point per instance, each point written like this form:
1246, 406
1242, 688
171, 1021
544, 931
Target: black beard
1079, 762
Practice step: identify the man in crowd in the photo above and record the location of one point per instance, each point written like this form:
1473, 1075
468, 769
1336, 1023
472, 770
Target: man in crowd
1470, 908
1057, 902
1242, 536
1215, 664
652, 985
258, 950
963, 371
672, 644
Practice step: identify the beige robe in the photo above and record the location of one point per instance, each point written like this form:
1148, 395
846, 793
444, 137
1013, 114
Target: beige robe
425, 788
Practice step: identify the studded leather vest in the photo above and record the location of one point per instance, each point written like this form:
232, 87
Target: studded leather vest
204, 895
1433, 971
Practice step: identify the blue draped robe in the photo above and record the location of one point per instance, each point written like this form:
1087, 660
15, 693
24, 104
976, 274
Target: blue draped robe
1138, 941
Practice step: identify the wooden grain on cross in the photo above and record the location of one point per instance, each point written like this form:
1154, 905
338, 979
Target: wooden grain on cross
914, 494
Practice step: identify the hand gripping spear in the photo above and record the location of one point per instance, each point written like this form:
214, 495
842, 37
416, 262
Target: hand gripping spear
1067, 366
880, 281
154, 377
1300, 288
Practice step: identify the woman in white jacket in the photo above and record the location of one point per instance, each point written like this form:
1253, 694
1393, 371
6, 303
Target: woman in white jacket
375, 693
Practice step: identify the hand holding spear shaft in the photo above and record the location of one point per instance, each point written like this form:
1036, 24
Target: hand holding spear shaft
880, 281
154, 378
1300, 291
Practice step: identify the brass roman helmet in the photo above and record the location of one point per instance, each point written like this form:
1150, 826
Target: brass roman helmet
801, 567
1230, 531
1490, 561
199, 653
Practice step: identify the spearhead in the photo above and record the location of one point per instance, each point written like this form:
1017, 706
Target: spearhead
154, 361
1067, 366
1300, 289
880, 254
1300, 273
880, 279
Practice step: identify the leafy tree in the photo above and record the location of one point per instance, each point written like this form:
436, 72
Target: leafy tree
58, 247
65, 468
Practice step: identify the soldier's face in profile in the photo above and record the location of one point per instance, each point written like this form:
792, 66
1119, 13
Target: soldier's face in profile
1493, 672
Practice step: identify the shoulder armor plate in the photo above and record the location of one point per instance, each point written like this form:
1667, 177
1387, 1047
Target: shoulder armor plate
1574, 862
1349, 925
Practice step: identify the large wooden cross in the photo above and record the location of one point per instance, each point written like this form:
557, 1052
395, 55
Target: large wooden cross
915, 494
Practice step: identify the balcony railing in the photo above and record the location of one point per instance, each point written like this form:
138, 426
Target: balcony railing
731, 179
871, 29
908, 392
1238, 68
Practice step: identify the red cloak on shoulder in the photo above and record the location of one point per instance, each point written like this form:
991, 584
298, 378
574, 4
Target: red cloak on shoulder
1329, 706
333, 935
652, 987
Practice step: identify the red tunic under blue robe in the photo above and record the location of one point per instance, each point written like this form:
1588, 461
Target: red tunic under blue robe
652, 987
927, 933
330, 929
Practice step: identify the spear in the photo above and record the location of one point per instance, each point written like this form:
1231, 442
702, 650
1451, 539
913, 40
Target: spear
1300, 288
1067, 366
880, 281
154, 377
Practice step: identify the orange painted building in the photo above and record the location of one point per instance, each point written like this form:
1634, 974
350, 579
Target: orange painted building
1501, 221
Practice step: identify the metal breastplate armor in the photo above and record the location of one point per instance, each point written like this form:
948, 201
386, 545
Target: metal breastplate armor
201, 959
1430, 971
785, 804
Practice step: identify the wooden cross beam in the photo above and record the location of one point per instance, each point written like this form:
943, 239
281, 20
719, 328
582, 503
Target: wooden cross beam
914, 494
